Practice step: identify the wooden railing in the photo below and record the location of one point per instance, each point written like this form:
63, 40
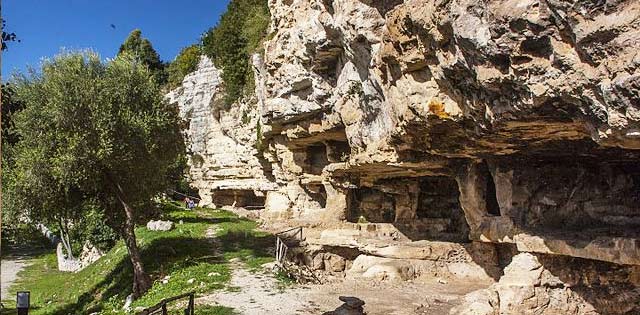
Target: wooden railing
283, 240
161, 308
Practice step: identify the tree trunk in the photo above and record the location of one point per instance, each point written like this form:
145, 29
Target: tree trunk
65, 240
141, 281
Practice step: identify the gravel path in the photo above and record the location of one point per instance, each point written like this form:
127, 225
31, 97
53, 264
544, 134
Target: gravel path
10, 267
258, 293
253, 293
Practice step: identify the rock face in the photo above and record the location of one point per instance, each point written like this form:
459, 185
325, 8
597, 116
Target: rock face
399, 123
543, 285
88, 255
221, 143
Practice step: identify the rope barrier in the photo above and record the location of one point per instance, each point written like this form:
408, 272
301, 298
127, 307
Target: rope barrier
181, 194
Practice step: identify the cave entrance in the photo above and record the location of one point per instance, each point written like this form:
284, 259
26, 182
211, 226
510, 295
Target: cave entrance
318, 195
242, 198
438, 211
421, 208
575, 194
372, 205
316, 158
338, 151
438, 198
490, 197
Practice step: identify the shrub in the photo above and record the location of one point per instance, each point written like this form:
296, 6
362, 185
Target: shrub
185, 63
143, 51
231, 43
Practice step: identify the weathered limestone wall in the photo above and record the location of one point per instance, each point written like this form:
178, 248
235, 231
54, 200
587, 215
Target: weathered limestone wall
529, 109
221, 144
420, 123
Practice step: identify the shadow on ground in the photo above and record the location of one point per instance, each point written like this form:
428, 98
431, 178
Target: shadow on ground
163, 255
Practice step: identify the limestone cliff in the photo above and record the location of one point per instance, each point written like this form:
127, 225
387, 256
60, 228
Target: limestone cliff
221, 144
386, 124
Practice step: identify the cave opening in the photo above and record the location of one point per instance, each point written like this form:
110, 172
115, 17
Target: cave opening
318, 195
420, 208
575, 195
316, 158
338, 151
242, 198
438, 211
438, 197
490, 197
371, 205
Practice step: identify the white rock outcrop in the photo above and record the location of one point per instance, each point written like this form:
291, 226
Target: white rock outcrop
221, 143
159, 225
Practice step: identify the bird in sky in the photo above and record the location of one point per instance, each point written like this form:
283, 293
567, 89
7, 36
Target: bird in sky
113, 26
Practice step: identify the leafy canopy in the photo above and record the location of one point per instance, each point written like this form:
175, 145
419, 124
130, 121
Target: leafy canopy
142, 49
185, 63
89, 127
230, 44
7, 36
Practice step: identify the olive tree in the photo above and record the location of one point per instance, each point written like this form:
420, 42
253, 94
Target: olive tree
95, 133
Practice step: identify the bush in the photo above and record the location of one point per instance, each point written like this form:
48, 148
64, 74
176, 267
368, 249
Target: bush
92, 228
185, 63
231, 43
142, 49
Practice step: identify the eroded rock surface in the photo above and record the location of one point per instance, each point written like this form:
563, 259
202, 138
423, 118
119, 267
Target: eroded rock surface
388, 128
221, 143
538, 284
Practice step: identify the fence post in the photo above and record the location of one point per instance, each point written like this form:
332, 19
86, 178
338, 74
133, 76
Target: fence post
192, 304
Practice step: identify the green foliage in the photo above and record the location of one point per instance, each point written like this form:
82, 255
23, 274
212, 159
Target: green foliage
11, 211
185, 63
93, 133
90, 227
285, 279
7, 36
88, 127
23, 235
178, 255
230, 44
143, 51
10, 137
10, 106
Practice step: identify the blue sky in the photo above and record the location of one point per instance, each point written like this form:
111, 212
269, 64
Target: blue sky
45, 26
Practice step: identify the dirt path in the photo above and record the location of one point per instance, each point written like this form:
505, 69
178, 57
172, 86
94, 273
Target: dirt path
253, 293
10, 267
260, 293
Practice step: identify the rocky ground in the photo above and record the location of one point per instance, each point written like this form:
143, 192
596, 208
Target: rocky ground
260, 292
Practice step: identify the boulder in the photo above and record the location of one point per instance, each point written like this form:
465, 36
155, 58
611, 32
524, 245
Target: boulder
159, 225
333, 262
352, 306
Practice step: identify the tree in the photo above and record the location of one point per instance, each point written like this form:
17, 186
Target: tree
7, 36
9, 211
185, 63
142, 49
95, 134
238, 34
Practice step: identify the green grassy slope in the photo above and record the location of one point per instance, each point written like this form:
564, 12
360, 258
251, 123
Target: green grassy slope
184, 256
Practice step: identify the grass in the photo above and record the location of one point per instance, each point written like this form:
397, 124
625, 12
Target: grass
284, 280
184, 258
215, 310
